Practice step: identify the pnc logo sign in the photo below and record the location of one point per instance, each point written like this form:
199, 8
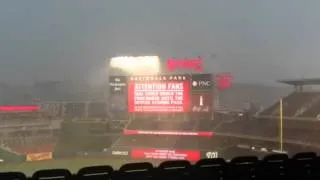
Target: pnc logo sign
201, 83
195, 64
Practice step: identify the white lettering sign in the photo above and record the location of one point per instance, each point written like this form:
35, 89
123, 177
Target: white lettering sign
159, 96
212, 155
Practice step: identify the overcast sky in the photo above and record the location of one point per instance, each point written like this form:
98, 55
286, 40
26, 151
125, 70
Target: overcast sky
256, 40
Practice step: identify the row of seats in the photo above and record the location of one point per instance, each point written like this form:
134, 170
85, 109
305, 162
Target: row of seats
171, 142
41, 147
150, 124
194, 124
294, 103
246, 127
302, 165
81, 109
256, 128
147, 141
269, 128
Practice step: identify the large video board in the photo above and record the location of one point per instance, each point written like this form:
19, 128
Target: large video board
164, 93
159, 93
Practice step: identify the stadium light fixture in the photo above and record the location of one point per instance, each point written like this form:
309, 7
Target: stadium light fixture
139, 65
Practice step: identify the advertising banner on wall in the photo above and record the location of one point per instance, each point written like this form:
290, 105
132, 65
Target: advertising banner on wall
119, 152
39, 156
223, 80
201, 82
168, 133
165, 154
118, 84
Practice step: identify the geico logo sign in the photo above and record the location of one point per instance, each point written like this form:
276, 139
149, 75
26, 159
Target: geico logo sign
211, 155
120, 153
201, 83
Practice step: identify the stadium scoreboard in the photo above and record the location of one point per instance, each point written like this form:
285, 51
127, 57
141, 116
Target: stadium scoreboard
164, 93
158, 94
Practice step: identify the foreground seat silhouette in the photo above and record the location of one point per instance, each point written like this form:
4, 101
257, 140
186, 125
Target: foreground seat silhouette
304, 155
273, 166
55, 174
209, 169
242, 168
300, 165
141, 171
173, 170
95, 172
304, 166
12, 176
315, 168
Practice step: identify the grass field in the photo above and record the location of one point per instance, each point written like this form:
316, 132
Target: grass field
72, 164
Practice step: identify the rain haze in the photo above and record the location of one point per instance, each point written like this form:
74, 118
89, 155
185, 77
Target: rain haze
90, 87
258, 41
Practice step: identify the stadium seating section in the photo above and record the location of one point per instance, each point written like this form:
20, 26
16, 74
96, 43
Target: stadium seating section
300, 166
301, 115
173, 142
297, 104
233, 134
159, 125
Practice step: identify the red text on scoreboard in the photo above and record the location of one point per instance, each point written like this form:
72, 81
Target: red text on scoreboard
159, 94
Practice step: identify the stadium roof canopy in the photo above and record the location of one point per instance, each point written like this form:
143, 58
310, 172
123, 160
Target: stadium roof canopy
301, 82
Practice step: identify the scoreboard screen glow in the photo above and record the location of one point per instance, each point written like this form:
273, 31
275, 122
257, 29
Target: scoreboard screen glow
160, 94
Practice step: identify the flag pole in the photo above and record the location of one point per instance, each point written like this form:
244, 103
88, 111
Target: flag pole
281, 126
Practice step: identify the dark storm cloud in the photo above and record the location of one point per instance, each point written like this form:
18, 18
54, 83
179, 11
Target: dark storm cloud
258, 41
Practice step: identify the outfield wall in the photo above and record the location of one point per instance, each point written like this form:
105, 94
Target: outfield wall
142, 154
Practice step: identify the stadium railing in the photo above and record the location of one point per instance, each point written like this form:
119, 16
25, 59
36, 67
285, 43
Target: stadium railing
275, 166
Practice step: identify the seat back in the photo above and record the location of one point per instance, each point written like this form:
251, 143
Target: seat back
13, 176
243, 168
209, 169
141, 171
56, 174
273, 166
300, 165
173, 170
95, 172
